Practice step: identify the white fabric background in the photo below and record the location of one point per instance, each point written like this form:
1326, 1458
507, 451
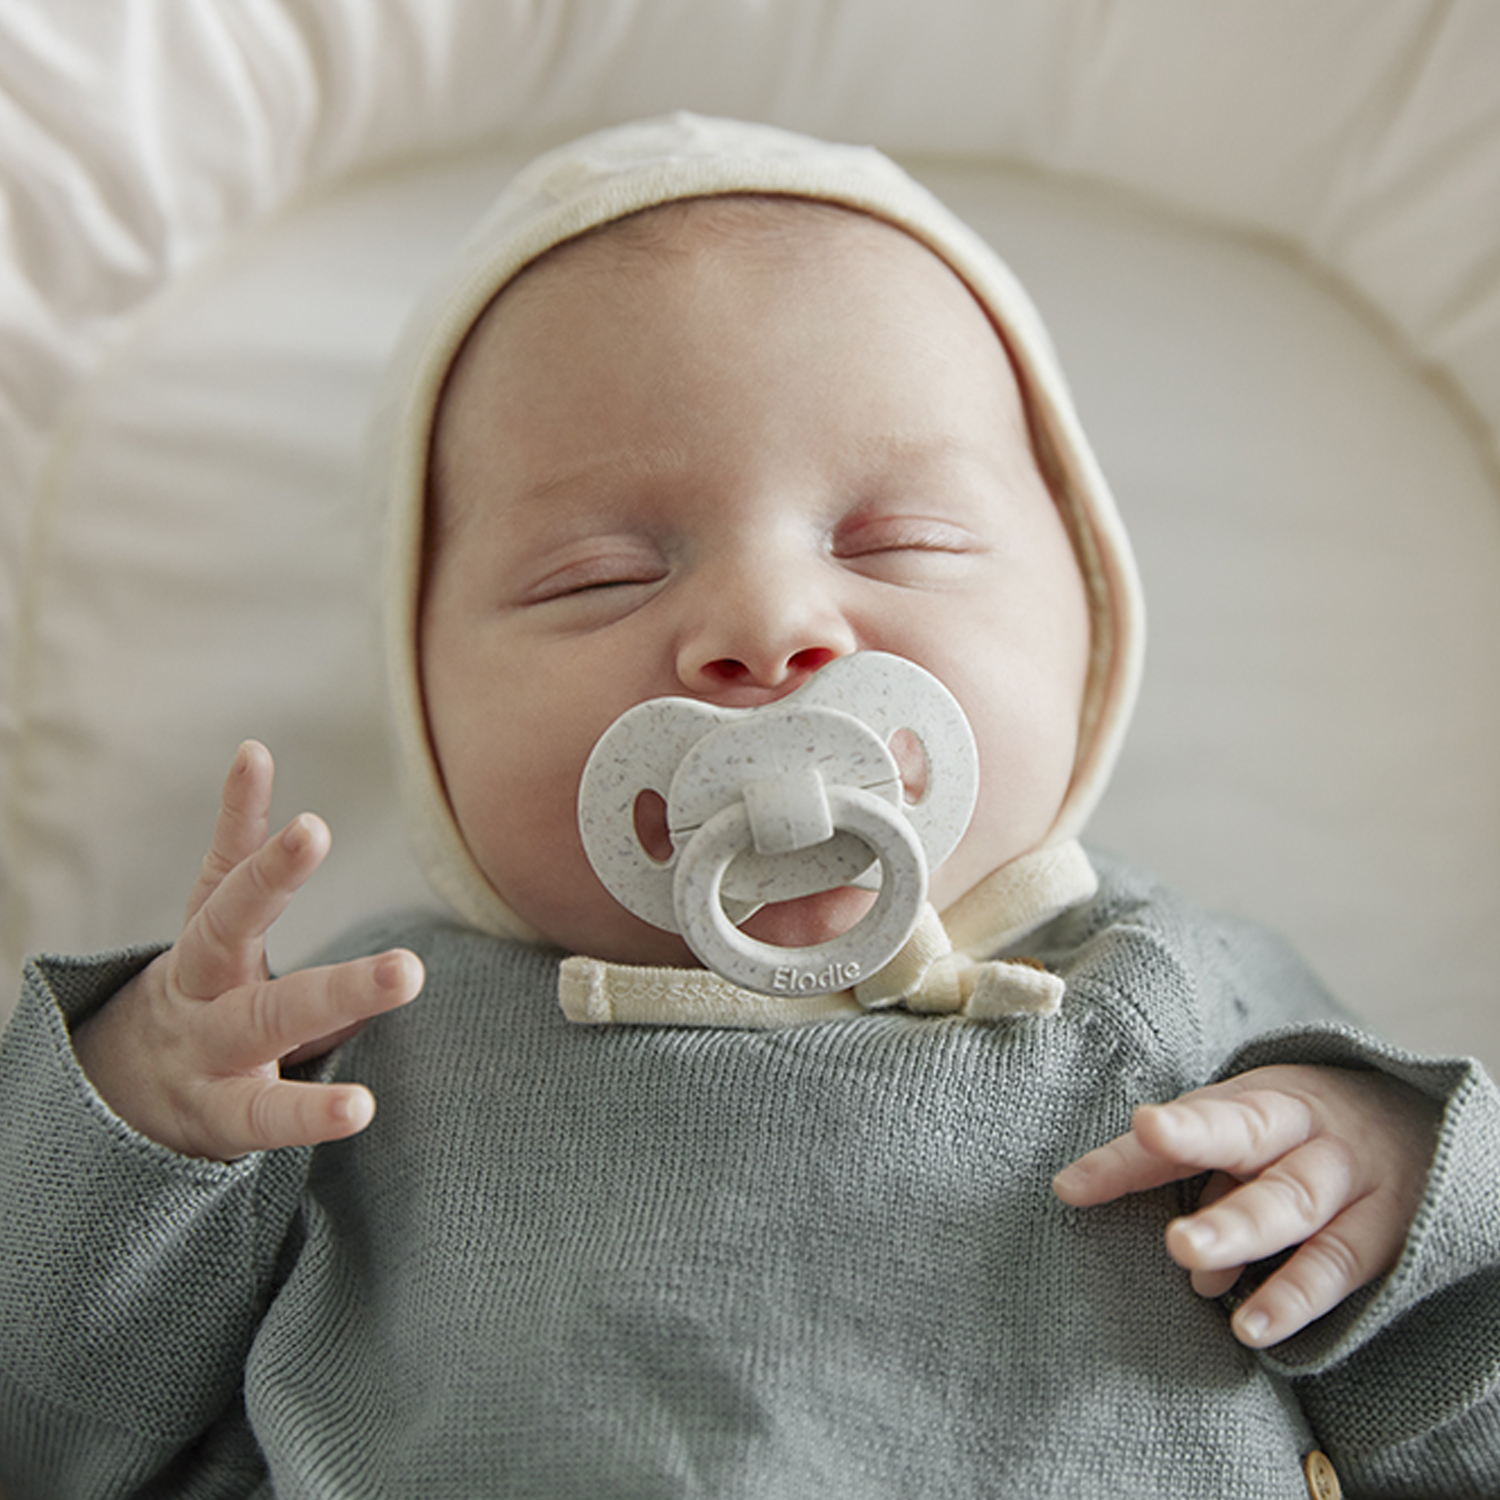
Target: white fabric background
1265, 237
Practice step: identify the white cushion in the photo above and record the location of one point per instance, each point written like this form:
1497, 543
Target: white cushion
217, 215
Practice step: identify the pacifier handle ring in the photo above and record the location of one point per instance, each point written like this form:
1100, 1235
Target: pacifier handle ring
824, 967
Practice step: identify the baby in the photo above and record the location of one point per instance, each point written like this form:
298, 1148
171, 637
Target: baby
705, 409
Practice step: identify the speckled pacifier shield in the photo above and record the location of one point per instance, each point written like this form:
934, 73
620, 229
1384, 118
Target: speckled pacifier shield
769, 804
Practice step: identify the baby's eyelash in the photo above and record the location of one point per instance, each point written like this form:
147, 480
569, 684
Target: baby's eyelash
599, 576
903, 534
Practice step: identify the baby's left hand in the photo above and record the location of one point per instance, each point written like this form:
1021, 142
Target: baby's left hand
1329, 1159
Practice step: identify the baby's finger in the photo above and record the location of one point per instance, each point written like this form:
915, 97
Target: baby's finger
1286, 1204
1214, 1129
222, 946
1216, 1283
1120, 1166
1213, 1284
243, 821
276, 1019
1355, 1248
248, 1114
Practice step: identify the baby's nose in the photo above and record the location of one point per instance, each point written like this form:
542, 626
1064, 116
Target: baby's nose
753, 643
729, 671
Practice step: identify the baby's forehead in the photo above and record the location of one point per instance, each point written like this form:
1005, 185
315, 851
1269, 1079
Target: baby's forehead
744, 257
781, 245
767, 229
769, 234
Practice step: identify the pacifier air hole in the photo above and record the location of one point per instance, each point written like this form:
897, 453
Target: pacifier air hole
911, 760
650, 820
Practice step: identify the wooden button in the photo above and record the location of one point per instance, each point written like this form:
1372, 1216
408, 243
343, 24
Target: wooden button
1322, 1481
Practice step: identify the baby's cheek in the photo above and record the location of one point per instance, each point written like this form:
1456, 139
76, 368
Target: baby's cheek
1024, 773
524, 834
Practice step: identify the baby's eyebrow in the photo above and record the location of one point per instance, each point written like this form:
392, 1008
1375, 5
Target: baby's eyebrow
917, 450
888, 443
593, 473
594, 484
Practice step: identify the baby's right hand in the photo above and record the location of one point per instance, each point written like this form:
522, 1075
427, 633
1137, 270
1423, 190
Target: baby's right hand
190, 1051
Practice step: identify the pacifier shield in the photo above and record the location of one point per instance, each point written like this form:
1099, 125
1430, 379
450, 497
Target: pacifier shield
775, 803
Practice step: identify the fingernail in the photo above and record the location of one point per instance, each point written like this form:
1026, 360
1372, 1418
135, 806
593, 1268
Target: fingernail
356, 1109
245, 754
390, 971
1072, 1181
1178, 1121
295, 837
1253, 1327
1198, 1235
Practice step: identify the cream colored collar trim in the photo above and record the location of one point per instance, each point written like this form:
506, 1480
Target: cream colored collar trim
932, 975
1020, 897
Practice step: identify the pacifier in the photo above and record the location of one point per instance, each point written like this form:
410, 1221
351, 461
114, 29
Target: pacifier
772, 803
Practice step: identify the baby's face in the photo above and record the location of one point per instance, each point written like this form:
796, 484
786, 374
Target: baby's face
708, 469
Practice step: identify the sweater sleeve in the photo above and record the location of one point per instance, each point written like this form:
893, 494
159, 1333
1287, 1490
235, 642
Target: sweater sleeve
1402, 1382
132, 1279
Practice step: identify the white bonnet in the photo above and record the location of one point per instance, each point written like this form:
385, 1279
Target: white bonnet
620, 171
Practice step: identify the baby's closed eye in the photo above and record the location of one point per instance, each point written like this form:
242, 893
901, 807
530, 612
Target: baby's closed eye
613, 567
894, 547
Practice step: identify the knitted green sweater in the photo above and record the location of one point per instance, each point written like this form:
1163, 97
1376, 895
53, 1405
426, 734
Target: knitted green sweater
824, 1261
